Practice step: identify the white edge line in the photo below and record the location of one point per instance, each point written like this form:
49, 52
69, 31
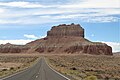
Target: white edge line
5, 77
57, 72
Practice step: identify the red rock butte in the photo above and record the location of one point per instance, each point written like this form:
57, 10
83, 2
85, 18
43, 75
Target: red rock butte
63, 39
66, 30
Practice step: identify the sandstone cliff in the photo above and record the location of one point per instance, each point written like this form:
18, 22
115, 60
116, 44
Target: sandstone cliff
68, 39
66, 30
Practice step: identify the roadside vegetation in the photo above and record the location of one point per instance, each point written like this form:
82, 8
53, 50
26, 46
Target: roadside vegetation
10, 64
77, 67
87, 67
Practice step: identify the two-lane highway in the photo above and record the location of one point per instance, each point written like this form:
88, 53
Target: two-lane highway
40, 71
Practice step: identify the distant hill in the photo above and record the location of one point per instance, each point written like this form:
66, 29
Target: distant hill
116, 53
11, 48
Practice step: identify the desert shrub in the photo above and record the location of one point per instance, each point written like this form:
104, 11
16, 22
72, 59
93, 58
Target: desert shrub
73, 68
11, 68
91, 78
18, 67
103, 67
4, 69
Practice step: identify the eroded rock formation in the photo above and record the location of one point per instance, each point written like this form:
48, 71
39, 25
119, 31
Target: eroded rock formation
90, 49
61, 39
66, 30
69, 39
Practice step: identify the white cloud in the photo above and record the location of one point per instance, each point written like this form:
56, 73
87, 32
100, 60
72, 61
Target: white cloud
94, 4
22, 4
86, 11
30, 36
19, 42
10, 21
115, 46
43, 36
2, 10
75, 4
101, 19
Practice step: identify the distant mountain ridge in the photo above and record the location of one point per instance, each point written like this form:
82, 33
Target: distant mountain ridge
11, 48
116, 53
67, 39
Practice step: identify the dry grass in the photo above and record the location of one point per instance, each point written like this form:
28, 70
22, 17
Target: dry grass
12, 63
80, 67
87, 67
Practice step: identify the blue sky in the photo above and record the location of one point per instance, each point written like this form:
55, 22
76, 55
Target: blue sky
24, 20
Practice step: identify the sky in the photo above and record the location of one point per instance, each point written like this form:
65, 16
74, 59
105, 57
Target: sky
22, 21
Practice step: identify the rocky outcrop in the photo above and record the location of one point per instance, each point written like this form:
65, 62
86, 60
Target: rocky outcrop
10, 48
69, 39
66, 30
97, 49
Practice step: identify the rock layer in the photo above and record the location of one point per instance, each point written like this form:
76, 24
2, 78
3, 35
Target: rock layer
66, 30
10, 48
90, 49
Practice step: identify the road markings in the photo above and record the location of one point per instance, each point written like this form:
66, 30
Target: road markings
17, 73
36, 76
56, 71
38, 73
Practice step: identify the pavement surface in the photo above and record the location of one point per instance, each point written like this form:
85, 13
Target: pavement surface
40, 71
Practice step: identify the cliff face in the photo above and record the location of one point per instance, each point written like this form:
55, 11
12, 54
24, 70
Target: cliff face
69, 39
98, 49
66, 30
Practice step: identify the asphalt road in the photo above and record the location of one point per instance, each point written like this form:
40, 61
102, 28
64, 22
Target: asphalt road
40, 71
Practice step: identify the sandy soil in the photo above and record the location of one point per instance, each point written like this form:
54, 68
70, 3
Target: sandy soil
9, 65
